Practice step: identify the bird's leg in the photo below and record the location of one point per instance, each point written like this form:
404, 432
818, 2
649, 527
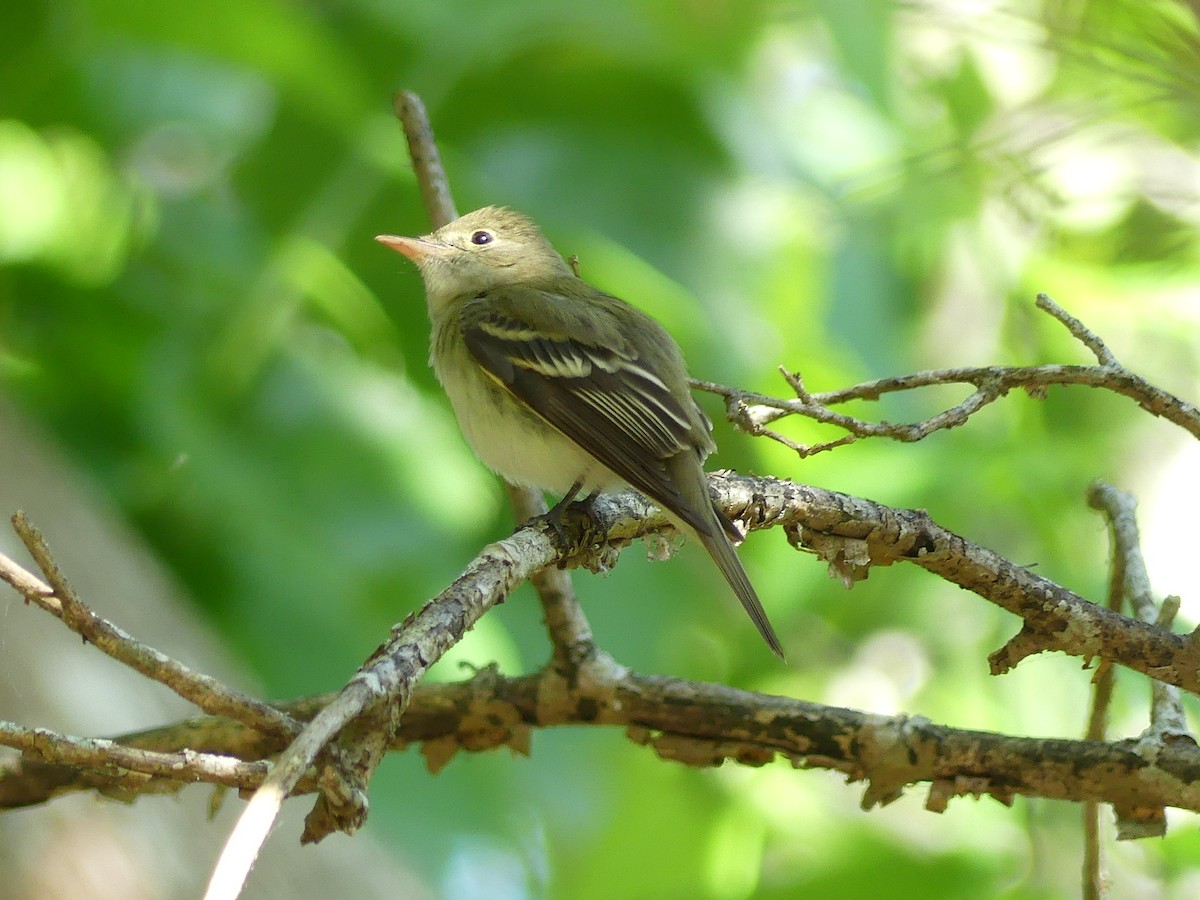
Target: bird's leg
554, 516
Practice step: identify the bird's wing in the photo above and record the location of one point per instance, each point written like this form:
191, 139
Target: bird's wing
602, 397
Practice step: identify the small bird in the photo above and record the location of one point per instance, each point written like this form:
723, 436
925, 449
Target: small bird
561, 387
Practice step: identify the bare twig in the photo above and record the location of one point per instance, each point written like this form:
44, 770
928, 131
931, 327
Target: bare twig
60, 600
1079, 331
752, 411
183, 766
1167, 723
426, 160
1120, 509
568, 627
1102, 686
1166, 711
1167, 720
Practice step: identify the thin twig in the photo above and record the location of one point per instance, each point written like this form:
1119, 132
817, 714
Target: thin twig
1079, 331
568, 626
1167, 719
1120, 507
1167, 722
182, 766
426, 160
1102, 681
752, 411
59, 599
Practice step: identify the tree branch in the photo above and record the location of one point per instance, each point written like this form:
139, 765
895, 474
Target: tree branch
106, 757
849, 534
60, 600
702, 724
372, 704
752, 412
1168, 725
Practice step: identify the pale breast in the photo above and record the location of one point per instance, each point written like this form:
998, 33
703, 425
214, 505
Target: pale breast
512, 440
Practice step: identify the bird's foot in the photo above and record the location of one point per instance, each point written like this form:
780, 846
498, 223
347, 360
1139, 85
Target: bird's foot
554, 517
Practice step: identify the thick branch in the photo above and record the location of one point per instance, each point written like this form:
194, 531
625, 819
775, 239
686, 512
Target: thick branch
852, 534
849, 534
705, 724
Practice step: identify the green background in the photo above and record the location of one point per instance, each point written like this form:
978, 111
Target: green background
192, 305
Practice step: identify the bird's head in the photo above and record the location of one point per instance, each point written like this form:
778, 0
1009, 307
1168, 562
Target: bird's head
486, 249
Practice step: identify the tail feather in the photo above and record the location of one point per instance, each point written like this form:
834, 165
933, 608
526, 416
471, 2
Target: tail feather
721, 550
693, 504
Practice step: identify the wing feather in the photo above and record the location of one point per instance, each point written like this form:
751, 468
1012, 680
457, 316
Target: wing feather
601, 397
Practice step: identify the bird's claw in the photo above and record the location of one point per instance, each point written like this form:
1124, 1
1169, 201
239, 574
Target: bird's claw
553, 518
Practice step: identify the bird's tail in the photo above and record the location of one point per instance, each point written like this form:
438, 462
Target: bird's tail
720, 548
693, 505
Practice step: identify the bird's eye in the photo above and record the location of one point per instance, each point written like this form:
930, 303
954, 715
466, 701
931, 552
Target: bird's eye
481, 238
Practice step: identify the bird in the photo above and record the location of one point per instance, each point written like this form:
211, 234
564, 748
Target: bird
561, 387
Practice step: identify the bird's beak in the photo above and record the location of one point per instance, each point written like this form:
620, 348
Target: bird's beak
415, 249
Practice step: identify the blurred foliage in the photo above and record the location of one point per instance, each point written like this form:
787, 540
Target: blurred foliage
191, 302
